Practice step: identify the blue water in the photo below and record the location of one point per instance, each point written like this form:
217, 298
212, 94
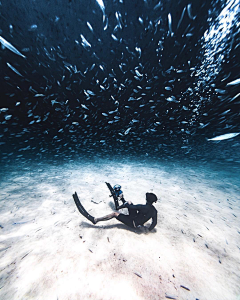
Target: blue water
140, 77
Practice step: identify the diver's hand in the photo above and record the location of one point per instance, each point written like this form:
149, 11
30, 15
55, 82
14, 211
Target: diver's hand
122, 206
143, 228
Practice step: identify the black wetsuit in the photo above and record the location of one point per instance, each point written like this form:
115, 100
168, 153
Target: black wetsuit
138, 215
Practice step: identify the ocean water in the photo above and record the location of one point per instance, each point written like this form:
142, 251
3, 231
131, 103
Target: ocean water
141, 93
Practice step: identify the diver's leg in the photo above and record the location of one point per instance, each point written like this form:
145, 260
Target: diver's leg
107, 217
121, 197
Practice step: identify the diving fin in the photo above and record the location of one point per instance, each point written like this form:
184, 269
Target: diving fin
82, 209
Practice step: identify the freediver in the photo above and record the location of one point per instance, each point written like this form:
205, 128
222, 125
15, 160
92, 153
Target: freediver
137, 214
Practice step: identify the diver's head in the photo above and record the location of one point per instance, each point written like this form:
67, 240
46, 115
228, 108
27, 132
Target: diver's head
150, 197
117, 187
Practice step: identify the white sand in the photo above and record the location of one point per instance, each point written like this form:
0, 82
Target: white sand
57, 254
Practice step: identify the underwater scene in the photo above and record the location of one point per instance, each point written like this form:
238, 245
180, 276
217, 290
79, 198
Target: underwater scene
120, 149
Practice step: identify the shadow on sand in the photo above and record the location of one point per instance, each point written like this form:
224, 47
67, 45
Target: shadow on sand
141, 230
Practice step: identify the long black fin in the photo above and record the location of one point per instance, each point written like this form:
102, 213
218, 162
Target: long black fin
82, 209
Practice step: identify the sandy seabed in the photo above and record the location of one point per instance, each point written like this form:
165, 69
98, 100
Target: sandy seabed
49, 251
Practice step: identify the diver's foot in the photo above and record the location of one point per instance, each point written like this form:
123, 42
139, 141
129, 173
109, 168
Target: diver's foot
95, 221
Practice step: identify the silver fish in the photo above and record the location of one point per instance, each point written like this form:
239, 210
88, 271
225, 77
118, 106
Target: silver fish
220, 91
157, 6
170, 24
33, 27
127, 131
85, 43
138, 49
189, 10
10, 47
84, 106
137, 78
101, 4
11, 28
89, 26
106, 24
92, 67
135, 121
140, 20
234, 82
114, 37
117, 15
138, 73
224, 136
3, 109
182, 15
235, 97
172, 99
90, 93
13, 69
54, 101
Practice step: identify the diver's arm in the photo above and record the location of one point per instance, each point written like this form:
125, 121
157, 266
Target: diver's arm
122, 206
154, 222
128, 204
121, 197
